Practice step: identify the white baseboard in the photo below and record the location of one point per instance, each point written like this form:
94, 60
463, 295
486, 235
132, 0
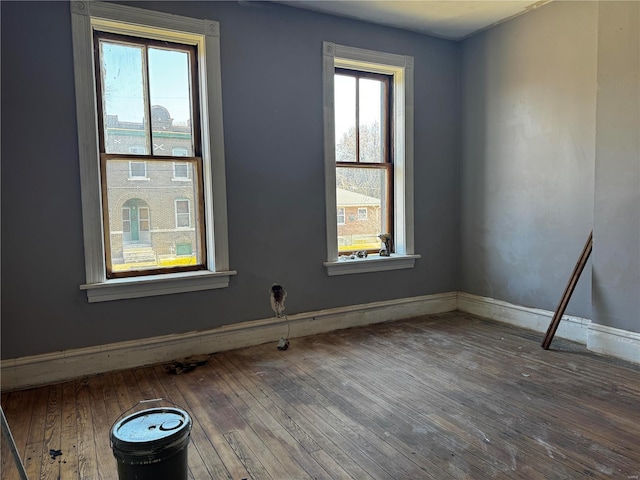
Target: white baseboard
570, 328
56, 367
610, 341
615, 342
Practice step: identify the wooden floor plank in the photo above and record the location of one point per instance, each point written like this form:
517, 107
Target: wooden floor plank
308, 386
33, 455
68, 437
192, 392
230, 420
305, 418
386, 413
121, 392
468, 397
449, 396
255, 468
204, 460
51, 466
101, 425
281, 441
86, 446
15, 406
264, 426
346, 401
588, 427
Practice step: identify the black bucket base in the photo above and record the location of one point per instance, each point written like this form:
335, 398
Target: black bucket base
172, 468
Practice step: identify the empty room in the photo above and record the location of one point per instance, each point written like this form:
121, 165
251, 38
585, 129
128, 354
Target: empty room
320, 240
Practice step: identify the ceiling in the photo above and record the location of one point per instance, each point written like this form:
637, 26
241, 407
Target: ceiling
450, 19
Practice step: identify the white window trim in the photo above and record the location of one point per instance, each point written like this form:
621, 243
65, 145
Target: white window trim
366, 213
85, 16
344, 216
401, 68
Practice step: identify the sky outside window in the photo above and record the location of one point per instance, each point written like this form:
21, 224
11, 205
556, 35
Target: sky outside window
124, 81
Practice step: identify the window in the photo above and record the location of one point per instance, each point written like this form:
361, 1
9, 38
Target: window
147, 90
181, 171
368, 157
142, 126
137, 170
179, 152
364, 163
183, 214
341, 216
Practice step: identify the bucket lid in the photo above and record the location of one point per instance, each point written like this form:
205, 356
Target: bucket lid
153, 427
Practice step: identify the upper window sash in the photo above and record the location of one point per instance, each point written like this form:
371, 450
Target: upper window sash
111, 17
154, 116
400, 67
386, 123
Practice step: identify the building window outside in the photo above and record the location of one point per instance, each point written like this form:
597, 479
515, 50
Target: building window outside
183, 214
341, 216
368, 98
140, 115
137, 170
181, 171
179, 152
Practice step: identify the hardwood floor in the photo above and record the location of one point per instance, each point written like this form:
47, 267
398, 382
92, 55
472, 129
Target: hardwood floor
437, 397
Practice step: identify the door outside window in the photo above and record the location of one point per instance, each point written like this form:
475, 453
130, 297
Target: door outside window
135, 222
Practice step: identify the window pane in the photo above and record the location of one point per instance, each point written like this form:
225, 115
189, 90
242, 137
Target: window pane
345, 118
371, 121
179, 152
182, 206
138, 169
123, 98
147, 220
169, 80
182, 221
362, 193
181, 170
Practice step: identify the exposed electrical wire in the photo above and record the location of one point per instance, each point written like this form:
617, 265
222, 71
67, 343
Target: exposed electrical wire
278, 294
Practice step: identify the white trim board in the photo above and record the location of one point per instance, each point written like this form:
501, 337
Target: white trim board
65, 365
597, 338
55, 367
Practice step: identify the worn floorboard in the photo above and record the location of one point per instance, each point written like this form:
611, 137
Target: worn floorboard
439, 397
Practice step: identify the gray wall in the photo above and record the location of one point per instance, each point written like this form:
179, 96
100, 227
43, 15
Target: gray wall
527, 182
272, 97
616, 260
550, 109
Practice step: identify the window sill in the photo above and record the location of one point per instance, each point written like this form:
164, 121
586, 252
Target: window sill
154, 285
373, 263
